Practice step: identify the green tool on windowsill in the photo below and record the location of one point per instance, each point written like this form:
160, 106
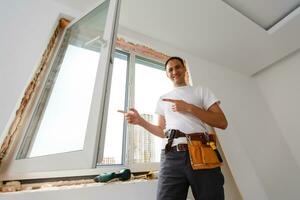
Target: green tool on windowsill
123, 175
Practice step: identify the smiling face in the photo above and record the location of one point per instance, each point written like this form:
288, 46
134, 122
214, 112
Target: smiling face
176, 72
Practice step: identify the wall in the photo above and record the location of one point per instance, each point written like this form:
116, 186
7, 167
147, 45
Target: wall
253, 124
257, 132
228, 86
23, 38
253, 143
258, 155
280, 86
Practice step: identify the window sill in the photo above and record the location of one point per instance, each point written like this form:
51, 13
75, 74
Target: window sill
133, 190
17, 187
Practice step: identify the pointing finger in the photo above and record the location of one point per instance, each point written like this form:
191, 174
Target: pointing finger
121, 111
132, 109
170, 100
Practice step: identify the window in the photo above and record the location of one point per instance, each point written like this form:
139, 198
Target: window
75, 124
63, 135
114, 141
150, 83
62, 125
60, 121
138, 84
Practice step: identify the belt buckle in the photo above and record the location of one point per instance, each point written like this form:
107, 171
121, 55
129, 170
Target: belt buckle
178, 148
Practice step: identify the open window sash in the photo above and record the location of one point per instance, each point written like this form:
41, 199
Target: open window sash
53, 164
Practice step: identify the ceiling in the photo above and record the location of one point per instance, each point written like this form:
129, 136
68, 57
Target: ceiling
214, 30
265, 13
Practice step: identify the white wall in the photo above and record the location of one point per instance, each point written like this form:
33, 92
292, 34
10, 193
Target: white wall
280, 86
258, 154
228, 86
25, 30
255, 129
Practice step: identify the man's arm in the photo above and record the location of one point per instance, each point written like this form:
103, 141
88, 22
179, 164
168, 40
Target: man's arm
214, 116
156, 130
133, 117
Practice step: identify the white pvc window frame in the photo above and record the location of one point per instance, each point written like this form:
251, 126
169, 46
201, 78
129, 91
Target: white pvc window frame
128, 161
83, 163
77, 162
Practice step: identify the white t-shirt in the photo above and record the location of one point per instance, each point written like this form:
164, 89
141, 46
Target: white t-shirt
187, 123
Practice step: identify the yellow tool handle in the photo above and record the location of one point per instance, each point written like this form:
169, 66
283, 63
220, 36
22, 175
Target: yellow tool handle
212, 145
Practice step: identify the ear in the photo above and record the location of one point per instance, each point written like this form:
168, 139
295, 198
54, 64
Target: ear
187, 77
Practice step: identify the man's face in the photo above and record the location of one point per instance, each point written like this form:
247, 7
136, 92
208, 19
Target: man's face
176, 72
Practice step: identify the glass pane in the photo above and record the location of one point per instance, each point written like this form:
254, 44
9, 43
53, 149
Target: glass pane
115, 121
60, 121
150, 83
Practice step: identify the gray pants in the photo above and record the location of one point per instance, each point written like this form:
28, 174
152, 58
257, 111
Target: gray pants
176, 175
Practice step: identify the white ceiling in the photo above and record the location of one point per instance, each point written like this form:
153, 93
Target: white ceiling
210, 29
265, 13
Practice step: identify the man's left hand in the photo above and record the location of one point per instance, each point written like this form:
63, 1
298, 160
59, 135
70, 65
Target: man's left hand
179, 105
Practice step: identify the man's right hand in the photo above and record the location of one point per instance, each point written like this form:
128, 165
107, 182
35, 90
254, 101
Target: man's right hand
132, 116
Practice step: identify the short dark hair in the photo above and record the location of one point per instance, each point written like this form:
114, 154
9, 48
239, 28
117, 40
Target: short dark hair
174, 58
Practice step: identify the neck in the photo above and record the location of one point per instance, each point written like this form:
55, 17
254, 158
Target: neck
179, 84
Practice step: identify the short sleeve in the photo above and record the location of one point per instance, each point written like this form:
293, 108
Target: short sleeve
159, 107
209, 98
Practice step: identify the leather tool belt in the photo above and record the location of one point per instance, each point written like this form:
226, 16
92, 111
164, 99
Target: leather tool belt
201, 146
180, 147
172, 133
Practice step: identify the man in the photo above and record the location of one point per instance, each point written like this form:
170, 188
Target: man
183, 111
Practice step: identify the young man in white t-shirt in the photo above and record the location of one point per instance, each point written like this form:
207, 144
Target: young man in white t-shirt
183, 111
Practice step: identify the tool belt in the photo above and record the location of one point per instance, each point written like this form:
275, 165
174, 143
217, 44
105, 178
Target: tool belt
201, 146
171, 134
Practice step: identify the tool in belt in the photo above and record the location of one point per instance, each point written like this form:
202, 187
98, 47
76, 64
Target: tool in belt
203, 137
